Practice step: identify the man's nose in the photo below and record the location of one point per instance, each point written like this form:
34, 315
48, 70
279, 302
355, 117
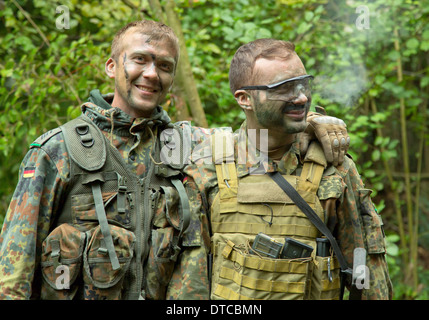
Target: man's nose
301, 99
150, 71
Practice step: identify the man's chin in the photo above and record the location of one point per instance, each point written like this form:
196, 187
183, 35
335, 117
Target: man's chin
143, 109
293, 127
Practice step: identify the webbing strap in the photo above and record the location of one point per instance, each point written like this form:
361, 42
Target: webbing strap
122, 189
184, 203
56, 252
261, 284
104, 225
310, 177
228, 294
223, 157
330, 285
255, 228
227, 180
271, 265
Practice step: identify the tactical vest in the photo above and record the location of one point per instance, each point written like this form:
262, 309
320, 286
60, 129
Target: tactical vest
255, 204
116, 232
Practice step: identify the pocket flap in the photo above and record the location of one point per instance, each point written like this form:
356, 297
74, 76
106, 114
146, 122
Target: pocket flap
62, 255
372, 224
330, 187
97, 266
261, 188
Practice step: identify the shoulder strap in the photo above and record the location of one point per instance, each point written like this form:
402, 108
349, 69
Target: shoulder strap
223, 157
308, 211
85, 143
312, 170
40, 141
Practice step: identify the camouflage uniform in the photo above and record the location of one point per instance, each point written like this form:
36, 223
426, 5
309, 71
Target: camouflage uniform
349, 212
44, 179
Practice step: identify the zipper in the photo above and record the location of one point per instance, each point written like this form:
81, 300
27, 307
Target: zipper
146, 221
136, 287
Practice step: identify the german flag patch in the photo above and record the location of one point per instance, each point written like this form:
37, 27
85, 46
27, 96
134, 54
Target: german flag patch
29, 172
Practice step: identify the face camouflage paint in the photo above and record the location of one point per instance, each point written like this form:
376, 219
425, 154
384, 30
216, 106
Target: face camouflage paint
144, 74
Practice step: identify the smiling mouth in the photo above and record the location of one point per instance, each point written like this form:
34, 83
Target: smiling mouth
295, 112
146, 89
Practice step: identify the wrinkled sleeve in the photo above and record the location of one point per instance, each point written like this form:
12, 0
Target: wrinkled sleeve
27, 222
359, 225
190, 278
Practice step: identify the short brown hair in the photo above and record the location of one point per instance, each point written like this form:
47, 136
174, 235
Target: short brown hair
243, 62
155, 30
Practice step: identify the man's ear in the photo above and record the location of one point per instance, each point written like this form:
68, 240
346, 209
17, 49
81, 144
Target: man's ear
110, 67
243, 99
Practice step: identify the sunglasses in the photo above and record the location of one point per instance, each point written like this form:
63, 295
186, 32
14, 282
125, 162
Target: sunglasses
286, 90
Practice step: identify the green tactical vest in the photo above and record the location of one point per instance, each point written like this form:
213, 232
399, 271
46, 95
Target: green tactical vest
247, 206
107, 228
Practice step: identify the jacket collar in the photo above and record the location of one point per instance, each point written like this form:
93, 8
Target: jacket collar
255, 162
123, 124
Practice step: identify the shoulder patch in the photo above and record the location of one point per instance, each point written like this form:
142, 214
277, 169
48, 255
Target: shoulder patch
40, 141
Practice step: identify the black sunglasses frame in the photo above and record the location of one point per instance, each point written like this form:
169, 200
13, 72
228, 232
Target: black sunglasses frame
272, 86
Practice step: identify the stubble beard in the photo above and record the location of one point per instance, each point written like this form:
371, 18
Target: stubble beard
276, 119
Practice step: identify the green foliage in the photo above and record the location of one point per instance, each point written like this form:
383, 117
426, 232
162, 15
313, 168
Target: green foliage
42, 84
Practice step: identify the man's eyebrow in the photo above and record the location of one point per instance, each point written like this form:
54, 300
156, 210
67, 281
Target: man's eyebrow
154, 56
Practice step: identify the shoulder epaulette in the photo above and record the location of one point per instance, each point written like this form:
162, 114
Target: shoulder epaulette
315, 154
40, 141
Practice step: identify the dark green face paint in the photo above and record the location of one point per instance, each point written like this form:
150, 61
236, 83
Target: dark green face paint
127, 76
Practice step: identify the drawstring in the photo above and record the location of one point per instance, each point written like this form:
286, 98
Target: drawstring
153, 143
153, 136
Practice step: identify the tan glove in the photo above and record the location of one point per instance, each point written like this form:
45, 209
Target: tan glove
331, 133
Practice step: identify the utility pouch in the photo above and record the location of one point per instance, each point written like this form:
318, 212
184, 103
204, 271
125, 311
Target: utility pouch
238, 275
61, 262
325, 280
101, 281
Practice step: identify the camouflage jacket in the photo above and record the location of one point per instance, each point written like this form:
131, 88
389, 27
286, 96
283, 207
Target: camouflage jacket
349, 211
44, 178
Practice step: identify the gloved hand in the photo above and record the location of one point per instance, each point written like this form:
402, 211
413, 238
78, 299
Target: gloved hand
331, 133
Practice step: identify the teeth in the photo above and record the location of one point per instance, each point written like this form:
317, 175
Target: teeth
145, 89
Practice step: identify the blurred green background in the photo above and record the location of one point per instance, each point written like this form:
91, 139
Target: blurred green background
370, 59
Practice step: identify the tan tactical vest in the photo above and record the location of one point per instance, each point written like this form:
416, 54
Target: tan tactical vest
255, 203
105, 243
